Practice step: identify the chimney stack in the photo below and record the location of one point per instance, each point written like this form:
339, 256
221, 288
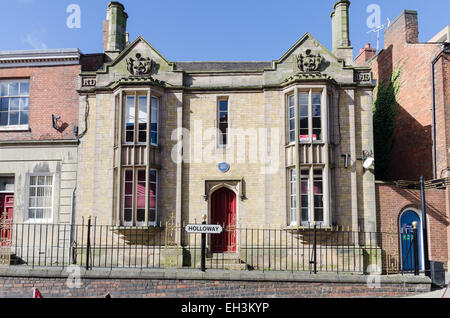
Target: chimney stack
115, 29
405, 24
340, 30
364, 55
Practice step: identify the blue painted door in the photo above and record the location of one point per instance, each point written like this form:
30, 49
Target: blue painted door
406, 239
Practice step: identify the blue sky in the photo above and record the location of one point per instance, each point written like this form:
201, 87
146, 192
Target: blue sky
210, 30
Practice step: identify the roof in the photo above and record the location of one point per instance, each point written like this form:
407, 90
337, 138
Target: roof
223, 66
39, 57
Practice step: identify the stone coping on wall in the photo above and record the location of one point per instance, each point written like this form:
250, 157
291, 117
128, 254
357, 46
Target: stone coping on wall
213, 275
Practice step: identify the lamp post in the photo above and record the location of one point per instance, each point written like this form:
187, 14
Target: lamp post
424, 227
416, 249
203, 251
315, 247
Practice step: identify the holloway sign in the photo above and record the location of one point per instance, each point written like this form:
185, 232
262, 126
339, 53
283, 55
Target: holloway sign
204, 229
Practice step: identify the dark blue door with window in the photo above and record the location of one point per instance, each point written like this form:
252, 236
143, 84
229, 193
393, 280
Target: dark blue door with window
406, 239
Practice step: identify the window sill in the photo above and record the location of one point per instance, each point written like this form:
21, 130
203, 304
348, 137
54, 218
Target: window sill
311, 143
136, 228
16, 128
39, 221
306, 228
140, 144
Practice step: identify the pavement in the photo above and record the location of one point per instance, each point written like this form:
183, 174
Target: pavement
440, 293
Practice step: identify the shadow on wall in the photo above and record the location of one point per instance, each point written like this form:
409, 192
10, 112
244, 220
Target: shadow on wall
411, 155
403, 147
412, 199
413, 196
391, 201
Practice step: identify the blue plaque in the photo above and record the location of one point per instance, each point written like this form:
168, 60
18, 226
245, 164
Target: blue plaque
224, 167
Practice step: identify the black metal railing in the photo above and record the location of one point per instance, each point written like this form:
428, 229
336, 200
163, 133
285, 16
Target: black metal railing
310, 249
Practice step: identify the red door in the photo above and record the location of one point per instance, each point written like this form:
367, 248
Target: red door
223, 212
6, 215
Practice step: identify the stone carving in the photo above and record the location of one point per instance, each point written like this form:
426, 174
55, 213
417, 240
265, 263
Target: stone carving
140, 66
309, 62
364, 77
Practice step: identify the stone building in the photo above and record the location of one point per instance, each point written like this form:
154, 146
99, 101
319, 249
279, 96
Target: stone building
278, 143
421, 144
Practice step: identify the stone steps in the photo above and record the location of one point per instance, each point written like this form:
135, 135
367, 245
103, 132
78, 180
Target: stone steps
229, 261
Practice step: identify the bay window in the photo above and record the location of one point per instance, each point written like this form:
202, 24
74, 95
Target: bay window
135, 163
307, 155
137, 200
136, 119
311, 196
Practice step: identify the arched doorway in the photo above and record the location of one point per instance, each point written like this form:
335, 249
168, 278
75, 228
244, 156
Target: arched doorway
407, 218
223, 212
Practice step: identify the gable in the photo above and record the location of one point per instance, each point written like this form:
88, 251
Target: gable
146, 50
139, 50
288, 64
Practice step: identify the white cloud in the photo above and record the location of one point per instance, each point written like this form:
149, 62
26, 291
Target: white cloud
33, 41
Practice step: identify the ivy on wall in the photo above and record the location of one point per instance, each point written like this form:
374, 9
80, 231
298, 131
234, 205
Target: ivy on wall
384, 115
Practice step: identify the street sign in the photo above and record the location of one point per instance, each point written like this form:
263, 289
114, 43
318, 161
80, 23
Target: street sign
204, 228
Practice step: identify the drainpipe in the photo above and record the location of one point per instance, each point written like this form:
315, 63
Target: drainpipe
445, 46
72, 220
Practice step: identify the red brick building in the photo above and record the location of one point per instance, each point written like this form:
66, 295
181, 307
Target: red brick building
39, 106
421, 139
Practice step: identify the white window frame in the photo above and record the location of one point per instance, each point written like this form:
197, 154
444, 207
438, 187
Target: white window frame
311, 195
125, 121
138, 119
27, 218
133, 196
292, 196
219, 133
134, 222
302, 221
323, 130
17, 127
289, 107
157, 120
156, 196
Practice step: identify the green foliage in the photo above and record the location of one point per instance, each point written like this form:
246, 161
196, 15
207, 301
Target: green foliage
384, 115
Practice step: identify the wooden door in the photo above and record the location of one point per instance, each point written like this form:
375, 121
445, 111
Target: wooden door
223, 212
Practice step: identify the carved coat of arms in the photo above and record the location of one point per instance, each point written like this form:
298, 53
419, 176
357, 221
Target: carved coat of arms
309, 62
140, 66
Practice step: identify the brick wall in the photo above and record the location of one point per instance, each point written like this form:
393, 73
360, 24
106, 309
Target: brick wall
442, 91
16, 287
413, 132
53, 90
365, 54
392, 201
